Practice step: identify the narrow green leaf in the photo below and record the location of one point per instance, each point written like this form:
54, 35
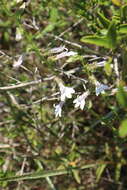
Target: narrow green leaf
122, 29
124, 64
52, 23
112, 35
108, 41
118, 172
117, 2
54, 15
76, 176
96, 40
108, 68
123, 129
123, 11
104, 21
44, 174
122, 97
99, 171
47, 29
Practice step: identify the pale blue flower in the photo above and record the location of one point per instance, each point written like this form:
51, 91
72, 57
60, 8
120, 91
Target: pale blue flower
100, 88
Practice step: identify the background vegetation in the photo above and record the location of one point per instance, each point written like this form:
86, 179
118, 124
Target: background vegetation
82, 149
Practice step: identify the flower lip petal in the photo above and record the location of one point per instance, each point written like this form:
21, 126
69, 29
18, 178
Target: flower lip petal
18, 62
66, 92
58, 109
80, 100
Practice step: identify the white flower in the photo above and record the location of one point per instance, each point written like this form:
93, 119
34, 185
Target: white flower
80, 100
58, 109
66, 92
101, 64
65, 54
18, 36
18, 62
58, 49
100, 88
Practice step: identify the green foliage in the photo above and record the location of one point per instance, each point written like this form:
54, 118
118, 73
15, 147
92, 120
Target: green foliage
123, 29
122, 97
100, 171
123, 129
96, 40
108, 68
108, 41
103, 20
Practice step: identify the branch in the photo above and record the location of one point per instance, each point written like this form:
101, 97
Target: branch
20, 85
26, 84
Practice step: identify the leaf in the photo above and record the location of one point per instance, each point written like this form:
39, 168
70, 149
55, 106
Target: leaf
118, 171
54, 15
76, 176
52, 23
122, 29
109, 41
96, 40
124, 64
117, 2
104, 21
47, 29
108, 68
44, 174
99, 171
112, 35
122, 97
123, 129
124, 13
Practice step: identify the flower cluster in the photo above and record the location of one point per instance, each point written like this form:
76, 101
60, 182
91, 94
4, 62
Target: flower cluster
67, 92
79, 102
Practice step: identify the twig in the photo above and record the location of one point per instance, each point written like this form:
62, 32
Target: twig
86, 49
20, 85
71, 27
66, 41
48, 179
46, 98
3, 146
26, 84
49, 173
21, 172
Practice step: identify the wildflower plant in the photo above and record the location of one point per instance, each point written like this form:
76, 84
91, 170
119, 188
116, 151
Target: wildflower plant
63, 94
